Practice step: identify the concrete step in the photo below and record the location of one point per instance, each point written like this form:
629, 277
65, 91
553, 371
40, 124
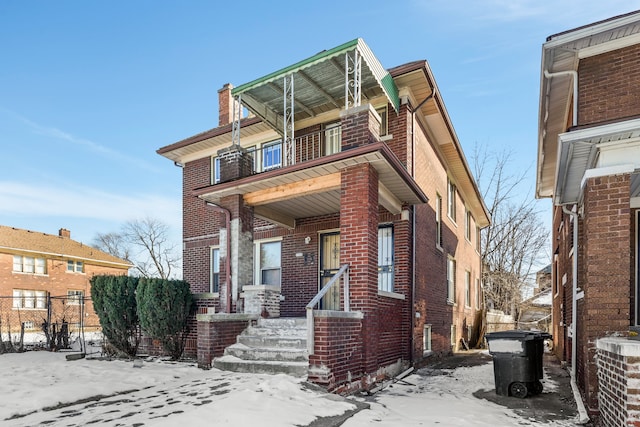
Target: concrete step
272, 346
245, 352
235, 364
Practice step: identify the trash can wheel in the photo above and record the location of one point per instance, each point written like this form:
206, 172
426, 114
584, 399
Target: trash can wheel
519, 390
536, 387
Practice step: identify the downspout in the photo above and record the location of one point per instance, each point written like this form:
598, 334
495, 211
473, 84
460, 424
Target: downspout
583, 416
227, 263
413, 227
574, 75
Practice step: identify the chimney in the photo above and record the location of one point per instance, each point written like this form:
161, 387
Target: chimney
225, 105
63, 232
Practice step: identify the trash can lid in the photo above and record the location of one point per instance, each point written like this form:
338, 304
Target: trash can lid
517, 334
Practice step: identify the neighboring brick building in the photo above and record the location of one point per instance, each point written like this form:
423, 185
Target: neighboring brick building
588, 162
45, 275
336, 168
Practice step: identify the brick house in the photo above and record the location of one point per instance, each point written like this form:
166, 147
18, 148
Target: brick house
588, 162
43, 274
347, 177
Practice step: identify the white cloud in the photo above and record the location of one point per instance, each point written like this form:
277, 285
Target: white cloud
84, 202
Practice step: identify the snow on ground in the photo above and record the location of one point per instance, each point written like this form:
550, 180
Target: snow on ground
44, 388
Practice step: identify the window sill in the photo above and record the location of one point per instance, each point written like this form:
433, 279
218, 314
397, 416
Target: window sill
451, 303
31, 274
393, 295
207, 295
387, 137
439, 247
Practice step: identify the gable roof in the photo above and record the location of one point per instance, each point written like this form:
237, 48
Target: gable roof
19, 241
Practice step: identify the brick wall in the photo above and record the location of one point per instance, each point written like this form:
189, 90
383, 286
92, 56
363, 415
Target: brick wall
607, 86
605, 276
618, 362
360, 126
217, 332
337, 360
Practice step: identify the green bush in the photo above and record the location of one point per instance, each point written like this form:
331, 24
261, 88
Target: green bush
114, 301
164, 307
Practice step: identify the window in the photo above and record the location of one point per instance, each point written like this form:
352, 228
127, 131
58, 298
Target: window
451, 281
75, 297
451, 200
384, 122
426, 338
453, 335
332, 139
75, 266
478, 293
439, 220
478, 239
215, 170
214, 284
385, 258
467, 224
28, 264
268, 255
23, 298
467, 289
271, 155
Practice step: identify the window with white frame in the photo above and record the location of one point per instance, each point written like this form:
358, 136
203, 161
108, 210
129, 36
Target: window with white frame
271, 155
31, 299
467, 224
268, 262
215, 170
467, 289
426, 338
27, 264
451, 280
478, 294
385, 258
453, 335
451, 200
75, 266
75, 297
438, 220
478, 239
332, 139
214, 282
384, 122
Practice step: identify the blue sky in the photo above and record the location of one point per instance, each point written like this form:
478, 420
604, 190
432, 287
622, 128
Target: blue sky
90, 90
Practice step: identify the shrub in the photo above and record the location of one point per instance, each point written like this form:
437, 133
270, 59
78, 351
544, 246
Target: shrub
114, 300
164, 307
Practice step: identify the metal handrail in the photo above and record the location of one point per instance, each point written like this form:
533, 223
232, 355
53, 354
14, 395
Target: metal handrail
344, 270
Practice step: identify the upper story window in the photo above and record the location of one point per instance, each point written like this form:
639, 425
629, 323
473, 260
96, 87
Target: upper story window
467, 224
75, 297
451, 200
27, 264
271, 155
332, 139
451, 281
215, 170
384, 123
75, 266
438, 220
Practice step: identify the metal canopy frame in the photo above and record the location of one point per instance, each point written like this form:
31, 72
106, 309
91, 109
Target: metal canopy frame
341, 76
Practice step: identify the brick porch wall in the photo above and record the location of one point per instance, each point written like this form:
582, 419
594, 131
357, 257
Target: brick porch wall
218, 331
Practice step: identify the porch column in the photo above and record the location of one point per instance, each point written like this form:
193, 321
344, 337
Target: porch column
603, 272
241, 256
359, 249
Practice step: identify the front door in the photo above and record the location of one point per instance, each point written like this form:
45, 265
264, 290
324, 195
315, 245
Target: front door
329, 266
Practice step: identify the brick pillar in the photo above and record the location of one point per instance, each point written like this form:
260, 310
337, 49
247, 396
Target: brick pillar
241, 257
359, 249
235, 163
605, 264
360, 126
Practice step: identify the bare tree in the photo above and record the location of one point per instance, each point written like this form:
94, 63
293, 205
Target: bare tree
515, 242
145, 243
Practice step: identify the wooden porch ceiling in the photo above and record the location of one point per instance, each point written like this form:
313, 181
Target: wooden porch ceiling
313, 188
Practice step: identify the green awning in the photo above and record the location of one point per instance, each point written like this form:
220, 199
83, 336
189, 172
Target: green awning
318, 85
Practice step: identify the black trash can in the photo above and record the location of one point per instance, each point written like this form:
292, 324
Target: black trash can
517, 361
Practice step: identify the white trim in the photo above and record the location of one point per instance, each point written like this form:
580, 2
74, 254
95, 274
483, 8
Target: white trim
609, 46
257, 270
393, 295
606, 171
591, 30
61, 255
599, 131
634, 202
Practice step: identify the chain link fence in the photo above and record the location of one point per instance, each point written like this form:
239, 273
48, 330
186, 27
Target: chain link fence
42, 321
